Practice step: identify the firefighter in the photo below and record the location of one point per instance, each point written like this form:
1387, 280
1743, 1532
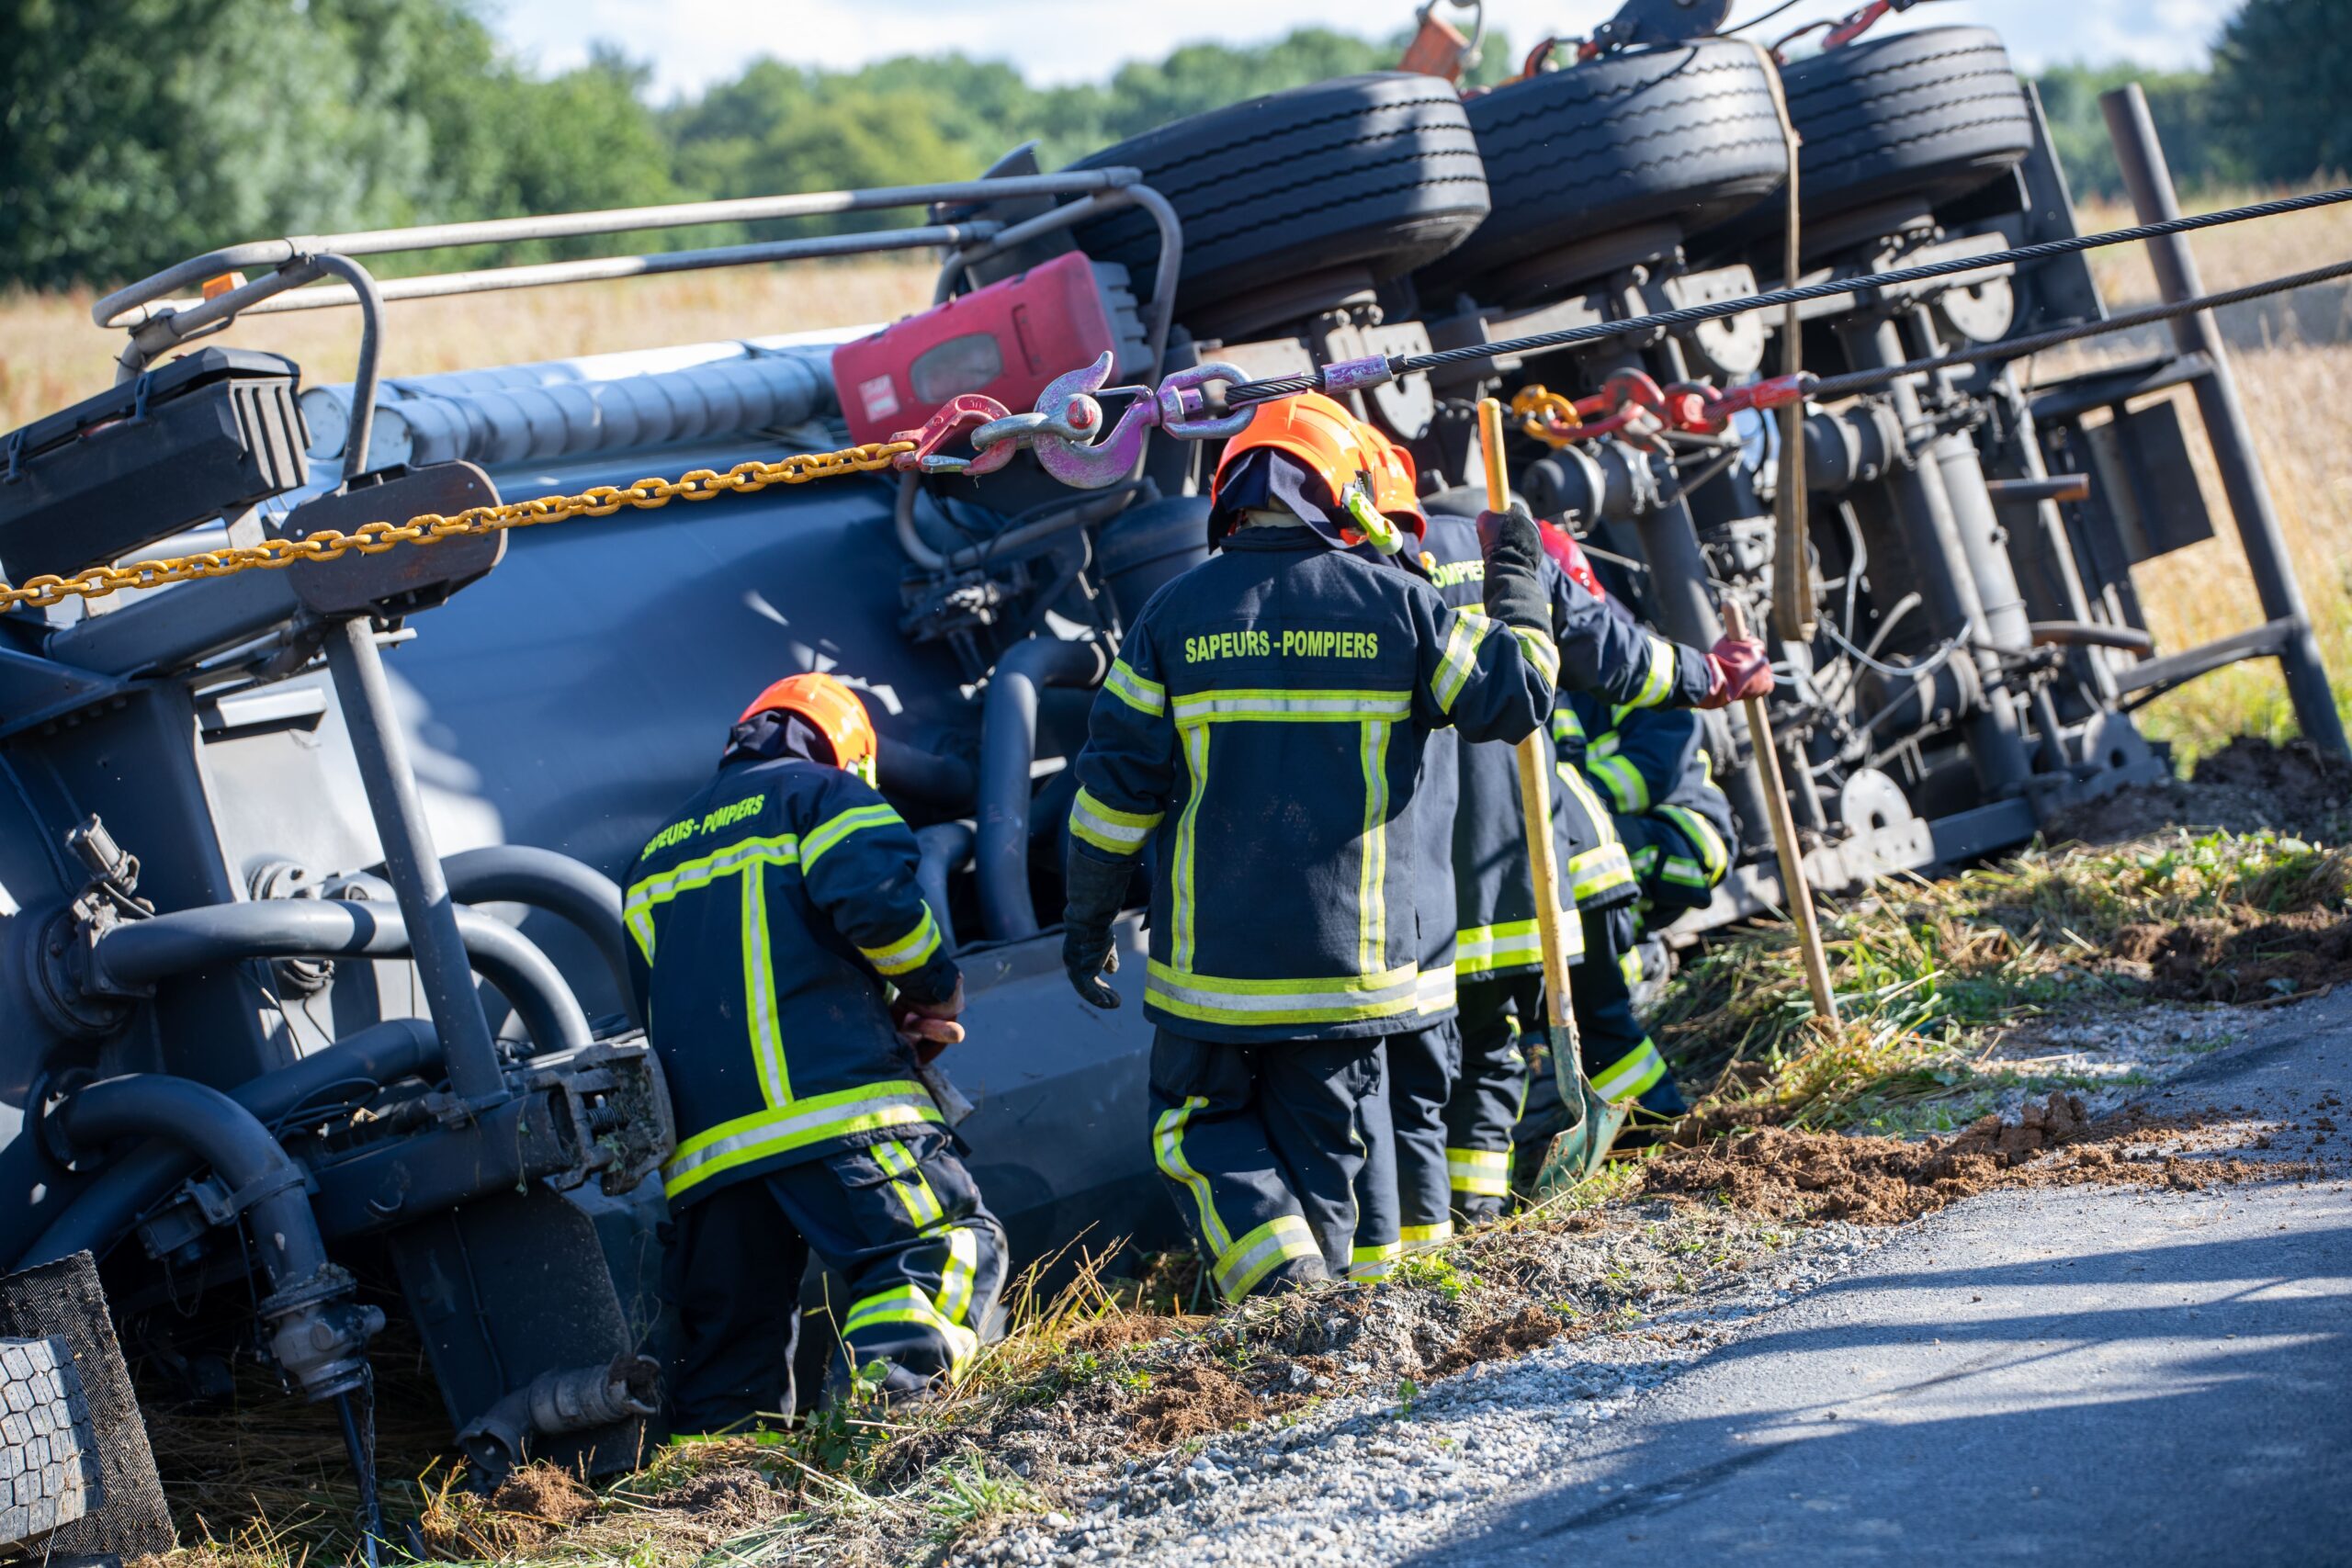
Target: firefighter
1402, 1195
1604, 656
792, 978
1262, 733
1654, 769
1655, 774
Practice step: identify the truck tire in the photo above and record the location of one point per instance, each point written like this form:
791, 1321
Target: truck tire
1934, 114
1379, 171
1685, 132
49, 1455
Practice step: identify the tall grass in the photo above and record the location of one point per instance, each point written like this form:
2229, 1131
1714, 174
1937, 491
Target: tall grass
51, 353
2302, 421
1930, 975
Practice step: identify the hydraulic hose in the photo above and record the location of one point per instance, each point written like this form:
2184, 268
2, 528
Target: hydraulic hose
1008, 746
927, 777
134, 955
945, 846
107, 1208
570, 890
220, 1133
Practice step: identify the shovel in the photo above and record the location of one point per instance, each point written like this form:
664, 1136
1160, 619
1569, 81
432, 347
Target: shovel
1585, 1143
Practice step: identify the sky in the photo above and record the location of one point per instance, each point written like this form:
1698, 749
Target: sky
692, 42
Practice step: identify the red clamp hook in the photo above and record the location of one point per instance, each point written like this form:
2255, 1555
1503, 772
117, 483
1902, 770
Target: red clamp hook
956, 418
1703, 410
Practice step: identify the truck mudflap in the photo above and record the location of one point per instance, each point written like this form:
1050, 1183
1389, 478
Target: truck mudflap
77, 1480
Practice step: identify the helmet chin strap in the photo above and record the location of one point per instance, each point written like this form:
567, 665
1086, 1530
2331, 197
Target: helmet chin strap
1380, 533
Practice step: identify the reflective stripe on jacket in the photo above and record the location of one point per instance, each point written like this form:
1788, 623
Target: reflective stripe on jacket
765, 920
1494, 893
1263, 731
1655, 765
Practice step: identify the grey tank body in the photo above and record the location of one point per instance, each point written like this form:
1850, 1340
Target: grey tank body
576, 696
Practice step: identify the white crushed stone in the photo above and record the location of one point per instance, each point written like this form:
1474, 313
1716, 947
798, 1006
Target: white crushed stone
1368, 1480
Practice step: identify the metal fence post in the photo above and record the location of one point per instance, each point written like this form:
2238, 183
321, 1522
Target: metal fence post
2148, 180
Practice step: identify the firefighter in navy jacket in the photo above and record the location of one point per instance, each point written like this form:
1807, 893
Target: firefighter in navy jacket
771, 921
1605, 657
1654, 770
1263, 733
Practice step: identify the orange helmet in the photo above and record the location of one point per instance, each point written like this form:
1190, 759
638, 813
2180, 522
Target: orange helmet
836, 713
1364, 473
1395, 480
1310, 427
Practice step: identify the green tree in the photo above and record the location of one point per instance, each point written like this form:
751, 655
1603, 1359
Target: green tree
2282, 82
133, 132
2181, 102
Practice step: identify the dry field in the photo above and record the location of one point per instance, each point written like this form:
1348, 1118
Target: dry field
51, 354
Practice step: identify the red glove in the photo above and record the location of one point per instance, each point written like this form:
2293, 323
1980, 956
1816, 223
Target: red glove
1737, 669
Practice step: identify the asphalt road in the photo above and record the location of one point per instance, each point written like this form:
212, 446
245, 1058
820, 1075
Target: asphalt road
2087, 1376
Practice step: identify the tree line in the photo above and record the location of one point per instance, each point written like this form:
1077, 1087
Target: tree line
133, 132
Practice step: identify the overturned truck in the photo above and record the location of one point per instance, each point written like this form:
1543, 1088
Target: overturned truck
307, 925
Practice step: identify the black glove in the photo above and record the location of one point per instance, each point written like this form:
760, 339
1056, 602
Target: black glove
1514, 552
1094, 889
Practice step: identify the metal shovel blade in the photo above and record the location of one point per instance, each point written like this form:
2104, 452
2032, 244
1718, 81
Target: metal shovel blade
1585, 1147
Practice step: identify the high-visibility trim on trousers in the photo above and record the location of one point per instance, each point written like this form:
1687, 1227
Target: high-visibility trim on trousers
782, 1128
1241, 1265
1631, 1075
1167, 1153
1374, 1262
907, 1304
1484, 1173
960, 1275
1425, 1239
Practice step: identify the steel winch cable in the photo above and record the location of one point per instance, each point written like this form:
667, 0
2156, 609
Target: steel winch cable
1829, 386
1362, 372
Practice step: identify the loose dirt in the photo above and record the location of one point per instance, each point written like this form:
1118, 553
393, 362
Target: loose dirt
529, 1508
2245, 787
1787, 1173
2221, 961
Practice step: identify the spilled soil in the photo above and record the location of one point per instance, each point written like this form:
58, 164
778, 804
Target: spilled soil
2223, 961
1786, 1174
1127, 1387
2245, 787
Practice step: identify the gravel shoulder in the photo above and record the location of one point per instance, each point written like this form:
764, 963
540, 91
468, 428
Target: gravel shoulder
2103, 1374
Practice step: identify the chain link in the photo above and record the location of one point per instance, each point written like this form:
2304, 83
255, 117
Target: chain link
1545, 415
374, 538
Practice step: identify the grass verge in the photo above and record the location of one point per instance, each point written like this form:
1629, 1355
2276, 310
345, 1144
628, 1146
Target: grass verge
1939, 980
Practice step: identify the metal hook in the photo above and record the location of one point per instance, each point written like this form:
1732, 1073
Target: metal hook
1178, 407
965, 415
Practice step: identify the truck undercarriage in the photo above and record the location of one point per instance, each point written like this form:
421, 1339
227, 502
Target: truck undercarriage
306, 910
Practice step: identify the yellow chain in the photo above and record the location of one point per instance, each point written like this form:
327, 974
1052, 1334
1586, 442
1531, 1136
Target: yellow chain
1544, 414
327, 544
